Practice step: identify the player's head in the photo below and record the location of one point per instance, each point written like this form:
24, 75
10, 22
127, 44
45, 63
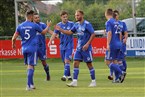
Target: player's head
79, 15
116, 14
29, 15
64, 16
36, 18
108, 13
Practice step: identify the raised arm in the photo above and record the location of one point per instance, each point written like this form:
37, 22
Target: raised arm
51, 39
47, 28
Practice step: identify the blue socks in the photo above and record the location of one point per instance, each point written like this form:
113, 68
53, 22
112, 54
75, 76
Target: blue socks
67, 69
92, 73
75, 73
125, 65
30, 73
46, 68
115, 68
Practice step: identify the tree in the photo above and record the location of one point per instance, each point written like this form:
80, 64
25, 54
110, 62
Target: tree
141, 9
7, 15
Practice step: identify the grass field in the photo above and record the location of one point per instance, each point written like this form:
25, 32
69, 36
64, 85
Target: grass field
13, 80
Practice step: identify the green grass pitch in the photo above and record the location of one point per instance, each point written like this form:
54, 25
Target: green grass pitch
13, 80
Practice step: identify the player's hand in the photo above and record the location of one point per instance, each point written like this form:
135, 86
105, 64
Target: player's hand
85, 47
56, 27
124, 41
108, 47
48, 23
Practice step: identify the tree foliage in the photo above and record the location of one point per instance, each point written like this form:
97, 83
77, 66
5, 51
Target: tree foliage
93, 9
7, 16
140, 12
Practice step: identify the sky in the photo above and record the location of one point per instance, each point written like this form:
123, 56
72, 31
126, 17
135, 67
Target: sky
52, 1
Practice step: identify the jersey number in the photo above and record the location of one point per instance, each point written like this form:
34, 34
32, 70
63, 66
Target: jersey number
26, 33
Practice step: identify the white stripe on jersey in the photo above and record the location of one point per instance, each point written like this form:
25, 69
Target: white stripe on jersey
108, 55
91, 55
35, 58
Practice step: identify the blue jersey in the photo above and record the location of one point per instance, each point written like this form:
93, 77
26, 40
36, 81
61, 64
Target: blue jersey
41, 38
83, 32
66, 41
27, 31
115, 28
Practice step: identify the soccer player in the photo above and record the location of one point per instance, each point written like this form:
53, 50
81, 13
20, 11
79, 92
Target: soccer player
41, 52
123, 30
113, 46
27, 31
85, 33
66, 44
124, 39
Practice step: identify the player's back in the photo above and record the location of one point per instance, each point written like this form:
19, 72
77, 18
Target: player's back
115, 42
27, 31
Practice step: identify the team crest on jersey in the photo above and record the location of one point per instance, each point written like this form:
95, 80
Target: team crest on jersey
44, 56
88, 58
68, 28
70, 57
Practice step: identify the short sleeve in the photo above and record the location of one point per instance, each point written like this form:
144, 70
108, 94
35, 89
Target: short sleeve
17, 30
108, 27
39, 29
90, 28
44, 26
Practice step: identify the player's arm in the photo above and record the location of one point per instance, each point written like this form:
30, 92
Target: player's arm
125, 33
47, 28
52, 38
125, 37
85, 47
91, 31
50, 32
69, 32
14, 40
109, 36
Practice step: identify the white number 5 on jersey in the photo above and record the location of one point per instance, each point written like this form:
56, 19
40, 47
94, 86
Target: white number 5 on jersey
27, 34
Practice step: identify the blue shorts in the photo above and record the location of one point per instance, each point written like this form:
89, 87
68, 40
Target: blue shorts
66, 54
41, 53
30, 58
112, 54
85, 56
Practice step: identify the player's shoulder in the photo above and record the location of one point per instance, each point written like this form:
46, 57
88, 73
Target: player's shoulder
86, 22
60, 23
71, 22
42, 23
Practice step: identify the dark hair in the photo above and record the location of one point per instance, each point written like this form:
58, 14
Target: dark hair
115, 13
63, 13
29, 12
80, 11
109, 11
